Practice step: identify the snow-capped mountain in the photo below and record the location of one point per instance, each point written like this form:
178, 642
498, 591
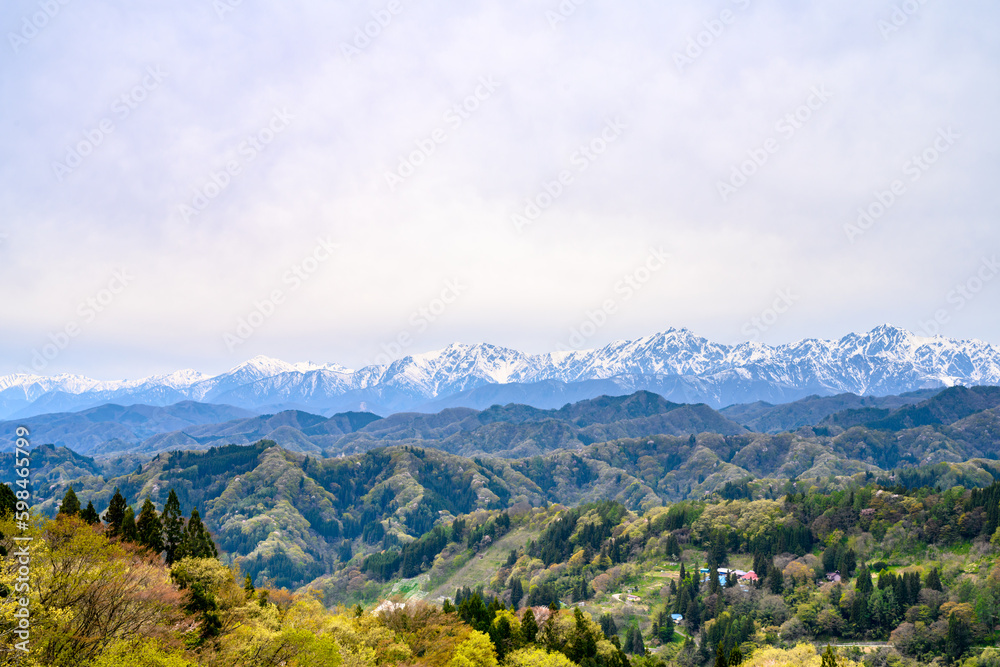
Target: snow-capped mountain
676, 363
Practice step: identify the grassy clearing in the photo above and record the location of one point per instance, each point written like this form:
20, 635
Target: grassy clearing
481, 568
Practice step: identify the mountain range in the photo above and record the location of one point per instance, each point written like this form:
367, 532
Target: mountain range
676, 364
292, 515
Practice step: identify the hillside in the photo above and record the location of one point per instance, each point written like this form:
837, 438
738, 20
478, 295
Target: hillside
812, 410
507, 431
911, 572
294, 517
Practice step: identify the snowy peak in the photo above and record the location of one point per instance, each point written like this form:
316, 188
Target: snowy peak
675, 363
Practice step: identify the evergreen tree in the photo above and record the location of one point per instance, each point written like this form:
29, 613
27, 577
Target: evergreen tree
608, 626
248, 588
90, 514
720, 657
150, 528
129, 532
529, 626
70, 504
633, 642
829, 660
197, 542
934, 579
115, 513
958, 639
173, 527
735, 656
775, 581
713, 581
582, 644
8, 501
864, 582
516, 593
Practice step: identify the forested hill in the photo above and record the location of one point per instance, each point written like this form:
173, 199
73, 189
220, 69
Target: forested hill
294, 517
913, 573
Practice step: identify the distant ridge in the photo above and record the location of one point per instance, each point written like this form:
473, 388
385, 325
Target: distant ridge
676, 364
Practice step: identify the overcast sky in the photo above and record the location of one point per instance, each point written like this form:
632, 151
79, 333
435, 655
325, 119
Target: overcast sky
180, 165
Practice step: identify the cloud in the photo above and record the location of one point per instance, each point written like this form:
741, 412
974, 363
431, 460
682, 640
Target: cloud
353, 119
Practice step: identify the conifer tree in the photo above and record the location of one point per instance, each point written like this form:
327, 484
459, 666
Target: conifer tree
248, 588
829, 660
115, 513
720, 657
173, 527
129, 532
516, 593
864, 582
70, 504
90, 514
934, 579
150, 528
197, 542
529, 626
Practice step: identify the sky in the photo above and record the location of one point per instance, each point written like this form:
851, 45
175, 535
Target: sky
188, 185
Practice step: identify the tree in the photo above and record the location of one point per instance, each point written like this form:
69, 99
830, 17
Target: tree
476, 651
735, 656
8, 501
115, 513
197, 542
582, 642
529, 626
720, 657
248, 588
536, 657
958, 639
129, 531
666, 630
608, 626
516, 593
149, 527
934, 579
864, 581
173, 527
775, 581
633, 642
111, 593
90, 514
829, 660
70, 504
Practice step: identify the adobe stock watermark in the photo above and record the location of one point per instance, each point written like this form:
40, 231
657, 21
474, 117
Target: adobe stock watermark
22, 554
900, 16
419, 321
293, 278
786, 127
551, 190
246, 152
913, 169
365, 35
712, 30
624, 291
87, 311
223, 7
121, 108
961, 295
562, 12
454, 118
756, 326
33, 24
